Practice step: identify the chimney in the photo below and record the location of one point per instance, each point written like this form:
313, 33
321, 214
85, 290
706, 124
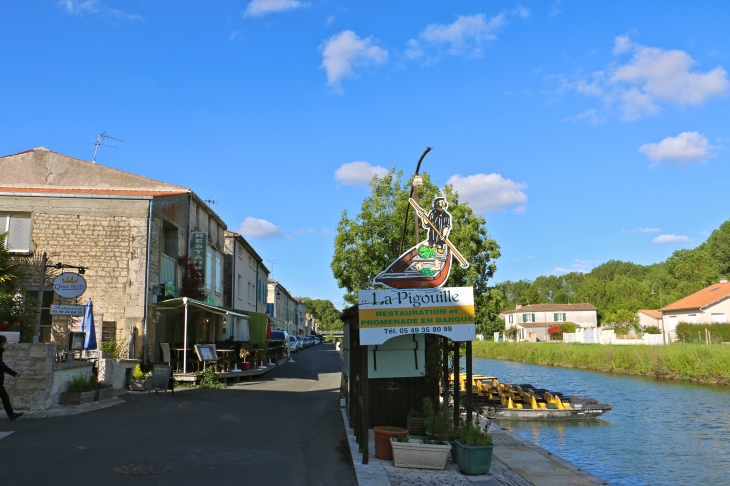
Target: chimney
723, 280
518, 306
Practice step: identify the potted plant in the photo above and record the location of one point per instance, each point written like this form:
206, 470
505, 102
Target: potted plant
104, 391
420, 453
80, 390
474, 449
139, 382
416, 422
437, 422
383, 434
243, 354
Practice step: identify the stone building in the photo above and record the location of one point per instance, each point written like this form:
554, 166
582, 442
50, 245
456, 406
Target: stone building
127, 231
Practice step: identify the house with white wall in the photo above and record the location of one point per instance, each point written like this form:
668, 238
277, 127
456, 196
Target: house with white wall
532, 321
649, 317
707, 306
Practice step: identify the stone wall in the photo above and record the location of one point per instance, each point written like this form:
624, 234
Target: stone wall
32, 389
106, 236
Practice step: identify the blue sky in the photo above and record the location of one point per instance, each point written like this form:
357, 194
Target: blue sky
582, 131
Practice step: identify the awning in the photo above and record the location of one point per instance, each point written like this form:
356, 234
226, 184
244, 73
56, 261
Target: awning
178, 302
186, 302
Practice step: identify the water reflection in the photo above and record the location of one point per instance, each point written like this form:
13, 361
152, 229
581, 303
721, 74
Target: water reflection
659, 432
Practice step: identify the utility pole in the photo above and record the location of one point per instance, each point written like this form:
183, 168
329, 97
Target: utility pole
37, 327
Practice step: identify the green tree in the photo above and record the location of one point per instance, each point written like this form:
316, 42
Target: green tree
9, 270
324, 312
366, 244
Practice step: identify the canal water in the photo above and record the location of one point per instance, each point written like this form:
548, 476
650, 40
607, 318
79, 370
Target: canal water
659, 432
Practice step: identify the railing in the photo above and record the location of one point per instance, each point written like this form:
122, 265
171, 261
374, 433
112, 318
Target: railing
167, 269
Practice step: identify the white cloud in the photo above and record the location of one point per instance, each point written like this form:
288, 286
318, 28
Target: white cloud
258, 8
79, 7
561, 271
521, 12
358, 173
670, 239
590, 116
489, 192
651, 77
234, 34
343, 51
685, 148
260, 228
330, 19
555, 9
465, 36
642, 230
578, 265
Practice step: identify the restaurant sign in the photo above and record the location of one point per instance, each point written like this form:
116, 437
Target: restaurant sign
447, 311
69, 285
67, 310
198, 245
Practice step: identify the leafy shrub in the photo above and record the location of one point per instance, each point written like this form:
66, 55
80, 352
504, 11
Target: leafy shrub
687, 332
80, 384
556, 332
137, 373
435, 441
207, 379
652, 330
415, 414
116, 349
401, 438
472, 435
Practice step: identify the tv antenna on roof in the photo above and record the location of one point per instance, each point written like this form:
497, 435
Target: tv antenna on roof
272, 262
209, 201
106, 141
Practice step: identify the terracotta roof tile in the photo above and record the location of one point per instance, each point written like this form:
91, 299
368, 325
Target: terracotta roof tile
553, 308
653, 313
100, 191
701, 299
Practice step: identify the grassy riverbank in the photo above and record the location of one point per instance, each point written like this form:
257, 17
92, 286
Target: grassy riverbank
692, 362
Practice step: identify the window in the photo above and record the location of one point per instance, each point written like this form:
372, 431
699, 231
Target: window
18, 225
692, 318
239, 290
718, 318
559, 317
250, 261
218, 275
208, 264
528, 317
240, 252
511, 318
251, 294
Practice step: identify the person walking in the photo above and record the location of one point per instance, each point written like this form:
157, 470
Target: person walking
3, 393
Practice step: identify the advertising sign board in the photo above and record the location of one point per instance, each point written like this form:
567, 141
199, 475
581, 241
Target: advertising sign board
447, 311
67, 310
198, 245
69, 285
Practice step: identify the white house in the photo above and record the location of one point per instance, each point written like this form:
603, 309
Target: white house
533, 321
650, 317
709, 305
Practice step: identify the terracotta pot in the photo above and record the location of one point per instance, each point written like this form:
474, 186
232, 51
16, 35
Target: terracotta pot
383, 434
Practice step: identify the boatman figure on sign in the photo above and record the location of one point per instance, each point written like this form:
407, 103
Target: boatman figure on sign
441, 219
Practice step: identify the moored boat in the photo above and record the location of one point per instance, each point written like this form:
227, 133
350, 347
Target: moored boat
527, 402
418, 268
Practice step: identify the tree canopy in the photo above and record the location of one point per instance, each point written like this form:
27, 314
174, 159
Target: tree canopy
324, 312
366, 244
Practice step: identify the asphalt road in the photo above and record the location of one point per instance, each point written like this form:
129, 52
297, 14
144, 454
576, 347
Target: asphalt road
284, 429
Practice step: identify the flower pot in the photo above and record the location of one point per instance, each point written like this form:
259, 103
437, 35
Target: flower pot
245, 365
140, 385
77, 398
416, 426
474, 459
454, 450
383, 434
104, 393
418, 455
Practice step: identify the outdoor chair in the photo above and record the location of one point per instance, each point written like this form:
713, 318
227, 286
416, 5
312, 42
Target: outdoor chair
167, 356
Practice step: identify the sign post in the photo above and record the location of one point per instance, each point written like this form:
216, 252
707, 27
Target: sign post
162, 379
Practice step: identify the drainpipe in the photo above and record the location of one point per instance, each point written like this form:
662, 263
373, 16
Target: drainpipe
146, 285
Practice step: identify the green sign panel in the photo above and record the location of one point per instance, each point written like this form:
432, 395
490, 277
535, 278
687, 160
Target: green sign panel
198, 244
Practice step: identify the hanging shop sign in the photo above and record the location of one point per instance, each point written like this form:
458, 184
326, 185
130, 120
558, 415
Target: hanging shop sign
447, 311
69, 285
67, 310
198, 245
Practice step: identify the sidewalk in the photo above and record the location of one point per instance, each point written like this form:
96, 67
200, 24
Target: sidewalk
516, 462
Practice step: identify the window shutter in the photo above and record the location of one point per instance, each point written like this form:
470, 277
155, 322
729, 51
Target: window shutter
555, 317
564, 319
533, 317
19, 233
524, 317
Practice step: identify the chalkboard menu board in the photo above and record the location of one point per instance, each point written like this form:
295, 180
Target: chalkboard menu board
162, 379
206, 352
76, 340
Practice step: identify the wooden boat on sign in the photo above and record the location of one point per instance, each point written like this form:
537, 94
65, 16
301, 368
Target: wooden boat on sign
418, 268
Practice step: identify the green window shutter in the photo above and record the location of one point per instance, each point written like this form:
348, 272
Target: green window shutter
555, 317
524, 317
533, 317
564, 317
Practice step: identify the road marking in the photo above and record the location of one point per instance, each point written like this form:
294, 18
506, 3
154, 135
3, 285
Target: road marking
5, 434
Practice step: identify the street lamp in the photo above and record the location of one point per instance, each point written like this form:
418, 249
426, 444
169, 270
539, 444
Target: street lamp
664, 337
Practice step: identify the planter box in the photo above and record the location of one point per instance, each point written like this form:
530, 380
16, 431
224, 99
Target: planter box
416, 426
140, 385
104, 393
454, 452
474, 460
77, 398
415, 454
